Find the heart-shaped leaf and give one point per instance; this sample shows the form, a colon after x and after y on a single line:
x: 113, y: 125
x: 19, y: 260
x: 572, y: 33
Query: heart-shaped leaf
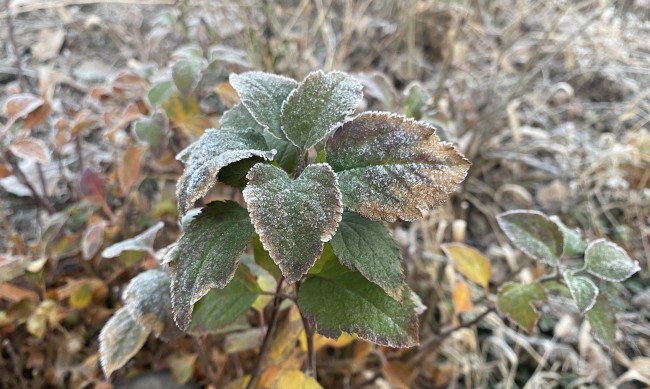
x: 343, y: 301
x: 515, y: 301
x: 148, y: 299
x: 263, y: 95
x: 221, y: 307
x: 609, y: 261
x: 534, y: 234
x: 186, y: 75
x: 367, y: 246
x: 602, y: 319
x: 206, y: 255
x: 469, y: 262
x: 583, y: 290
x: 318, y: 106
x: 212, y: 152
x: 293, y: 217
x: 391, y: 167
x: 120, y: 339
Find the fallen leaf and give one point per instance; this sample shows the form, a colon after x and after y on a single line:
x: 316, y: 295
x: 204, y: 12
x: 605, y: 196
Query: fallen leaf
x: 130, y: 167
x: 31, y: 149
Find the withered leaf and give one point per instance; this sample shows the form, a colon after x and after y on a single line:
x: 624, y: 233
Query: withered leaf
x: 120, y: 339
x: 391, y: 167
x: 212, y: 152
x: 293, y: 217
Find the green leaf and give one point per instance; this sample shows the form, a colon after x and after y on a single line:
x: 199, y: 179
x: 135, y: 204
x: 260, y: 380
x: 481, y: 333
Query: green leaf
x: 583, y: 290
x: 469, y: 262
x: 609, y: 261
x: 160, y: 92
x: 204, y: 159
x: 293, y: 217
x: 186, y: 75
x: 318, y: 106
x: 148, y: 299
x: 263, y: 258
x: 343, y: 301
x: 602, y: 319
x: 143, y: 242
x: 391, y: 167
x: 573, y: 243
x: 367, y: 246
x: 120, y: 339
x: 235, y: 173
x: 515, y: 300
x: 287, y: 154
x: 238, y: 118
x: 534, y: 234
x: 416, y: 99
x: 263, y: 95
x: 221, y: 307
x: 152, y: 131
x: 206, y: 255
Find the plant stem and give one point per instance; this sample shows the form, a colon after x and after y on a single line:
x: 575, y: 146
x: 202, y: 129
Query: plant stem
x: 310, y: 369
x: 22, y: 178
x: 267, y: 338
x: 205, y: 362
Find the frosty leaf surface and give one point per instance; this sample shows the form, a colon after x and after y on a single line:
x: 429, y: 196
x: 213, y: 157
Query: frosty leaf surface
x: 221, y: 307
x: 344, y: 301
x: 318, y: 106
x: 602, y: 319
x: 287, y: 154
x: 609, y: 261
x: 366, y: 245
x: 186, y: 75
x: 390, y: 167
x: 583, y: 290
x: 211, y: 153
x: 141, y: 242
x: 206, y: 255
x: 293, y: 217
x: 120, y: 339
x: 515, y: 300
x: 148, y: 299
x: 238, y: 118
x: 533, y: 233
x: 573, y: 243
x: 263, y: 94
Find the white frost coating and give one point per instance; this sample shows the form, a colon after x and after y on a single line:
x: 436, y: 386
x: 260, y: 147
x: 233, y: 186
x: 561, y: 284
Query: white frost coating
x: 318, y: 106
x: 141, y: 242
x: 119, y: 340
x: 293, y: 217
x: 609, y: 261
x: 528, y: 237
x: 581, y: 288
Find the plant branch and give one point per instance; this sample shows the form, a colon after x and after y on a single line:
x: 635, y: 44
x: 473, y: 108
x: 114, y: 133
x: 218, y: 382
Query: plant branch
x: 205, y: 362
x: 310, y: 369
x: 267, y: 338
x: 20, y: 175
x: 435, y: 341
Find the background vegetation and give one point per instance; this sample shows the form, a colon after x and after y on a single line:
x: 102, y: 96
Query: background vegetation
x: 548, y: 100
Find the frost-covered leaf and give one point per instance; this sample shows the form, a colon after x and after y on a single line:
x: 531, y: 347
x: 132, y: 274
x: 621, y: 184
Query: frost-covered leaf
x: 609, y: 261
x: 148, y: 299
x: 238, y: 118
x: 141, y: 242
x: 207, y: 255
x: 263, y: 95
x: 573, y: 243
x: 534, y: 234
x: 120, y: 339
x: 469, y: 262
x: 186, y: 75
x: 293, y: 217
x: 153, y: 130
x: 287, y: 154
x: 367, y: 246
x: 221, y: 307
x: 32, y: 149
x: 583, y: 290
x: 602, y: 319
x: 391, y: 167
x: 215, y: 150
x: 340, y: 301
x: 318, y: 106
x: 515, y: 300
x: 160, y: 92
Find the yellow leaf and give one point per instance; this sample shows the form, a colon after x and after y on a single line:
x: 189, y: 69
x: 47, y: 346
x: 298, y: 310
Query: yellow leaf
x: 461, y: 298
x: 295, y: 379
x: 320, y: 341
x: 82, y: 296
x: 128, y: 172
x: 469, y: 262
